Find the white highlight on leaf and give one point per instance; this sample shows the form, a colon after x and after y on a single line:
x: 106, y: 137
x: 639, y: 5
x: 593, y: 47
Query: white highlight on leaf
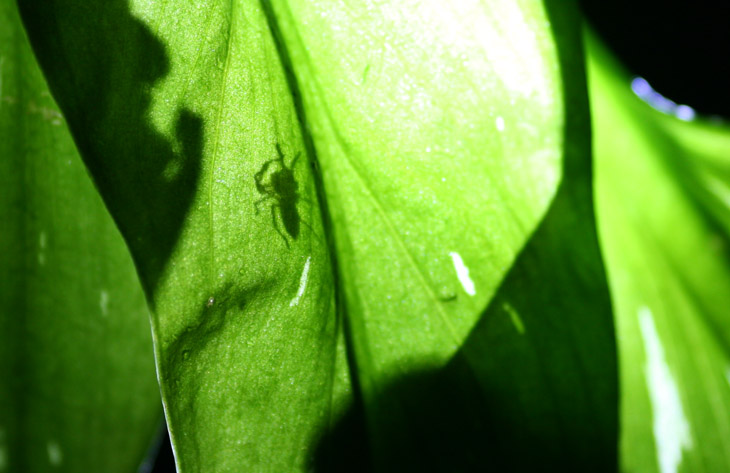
x: 727, y: 375
x: 2, y: 61
x: 500, y: 123
x: 104, y: 302
x: 302, y: 283
x: 671, y: 429
x: 462, y: 272
x: 55, y: 457
x: 3, y: 452
x: 42, y: 243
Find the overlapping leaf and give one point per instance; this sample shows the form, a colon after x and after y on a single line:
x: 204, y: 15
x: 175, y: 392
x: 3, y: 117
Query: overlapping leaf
x: 662, y: 200
x: 180, y: 113
x: 442, y: 136
x: 78, y: 389
x: 412, y: 175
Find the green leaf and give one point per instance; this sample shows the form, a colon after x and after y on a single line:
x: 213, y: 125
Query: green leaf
x: 443, y: 142
x: 78, y: 390
x: 312, y: 189
x: 179, y: 113
x: 662, y: 200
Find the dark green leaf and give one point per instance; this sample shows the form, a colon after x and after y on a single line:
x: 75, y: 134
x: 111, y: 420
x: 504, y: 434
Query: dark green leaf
x: 78, y: 390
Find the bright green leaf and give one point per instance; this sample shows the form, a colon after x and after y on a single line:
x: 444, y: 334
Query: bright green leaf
x: 442, y: 138
x: 441, y: 220
x: 78, y: 390
x: 662, y: 200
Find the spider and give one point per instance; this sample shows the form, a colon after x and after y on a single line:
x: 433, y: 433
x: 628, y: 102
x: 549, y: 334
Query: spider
x: 283, y: 189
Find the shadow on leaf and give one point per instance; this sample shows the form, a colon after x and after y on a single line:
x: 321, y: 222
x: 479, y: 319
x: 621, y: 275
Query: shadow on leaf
x: 534, y: 386
x: 101, y: 64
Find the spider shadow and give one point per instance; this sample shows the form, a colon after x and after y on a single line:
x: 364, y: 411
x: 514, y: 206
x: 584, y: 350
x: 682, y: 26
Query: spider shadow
x: 283, y: 189
x: 277, y: 184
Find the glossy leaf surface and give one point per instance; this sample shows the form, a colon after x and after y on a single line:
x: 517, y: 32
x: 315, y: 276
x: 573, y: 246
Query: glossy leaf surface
x: 288, y: 173
x: 78, y: 389
x: 662, y: 198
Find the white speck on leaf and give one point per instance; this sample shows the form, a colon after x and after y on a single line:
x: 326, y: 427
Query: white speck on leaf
x: 2, y: 60
x: 500, y: 123
x: 514, y: 317
x: 302, y: 283
x: 42, y: 243
x: 55, y: 456
x: 3, y: 452
x: 462, y: 272
x: 671, y: 428
x: 104, y: 302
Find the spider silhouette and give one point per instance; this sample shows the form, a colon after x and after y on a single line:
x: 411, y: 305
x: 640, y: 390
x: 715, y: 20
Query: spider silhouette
x: 282, y: 190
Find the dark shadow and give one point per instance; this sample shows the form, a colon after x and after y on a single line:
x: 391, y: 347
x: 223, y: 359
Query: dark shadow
x: 540, y: 394
x: 160, y: 458
x: 545, y: 400
x: 101, y: 64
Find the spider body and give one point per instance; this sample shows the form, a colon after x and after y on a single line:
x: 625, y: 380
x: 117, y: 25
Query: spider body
x: 282, y: 191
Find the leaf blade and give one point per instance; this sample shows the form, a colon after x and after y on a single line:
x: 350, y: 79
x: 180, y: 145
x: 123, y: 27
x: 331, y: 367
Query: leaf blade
x: 663, y: 238
x: 79, y: 391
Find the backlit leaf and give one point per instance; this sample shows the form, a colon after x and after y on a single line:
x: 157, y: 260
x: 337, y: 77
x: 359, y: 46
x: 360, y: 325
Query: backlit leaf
x: 662, y: 199
x: 394, y: 190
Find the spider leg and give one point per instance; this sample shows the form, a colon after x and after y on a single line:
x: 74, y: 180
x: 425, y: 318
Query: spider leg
x: 281, y: 155
x: 259, y: 202
x: 259, y: 176
x: 311, y: 229
x: 294, y: 161
x: 276, y: 226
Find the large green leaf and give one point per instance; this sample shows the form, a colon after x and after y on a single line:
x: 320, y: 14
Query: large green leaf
x: 78, y: 389
x: 443, y: 137
x: 312, y: 187
x: 179, y: 111
x: 662, y: 199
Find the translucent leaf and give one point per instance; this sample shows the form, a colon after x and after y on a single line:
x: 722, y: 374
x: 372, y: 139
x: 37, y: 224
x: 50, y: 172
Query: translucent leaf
x: 663, y: 216
x: 311, y: 190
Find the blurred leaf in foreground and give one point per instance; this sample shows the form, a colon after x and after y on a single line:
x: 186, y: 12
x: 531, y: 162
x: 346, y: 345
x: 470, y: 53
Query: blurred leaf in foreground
x: 663, y: 200
x: 78, y: 390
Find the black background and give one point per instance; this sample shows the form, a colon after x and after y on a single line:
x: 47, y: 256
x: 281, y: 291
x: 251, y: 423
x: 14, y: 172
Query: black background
x: 681, y: 48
